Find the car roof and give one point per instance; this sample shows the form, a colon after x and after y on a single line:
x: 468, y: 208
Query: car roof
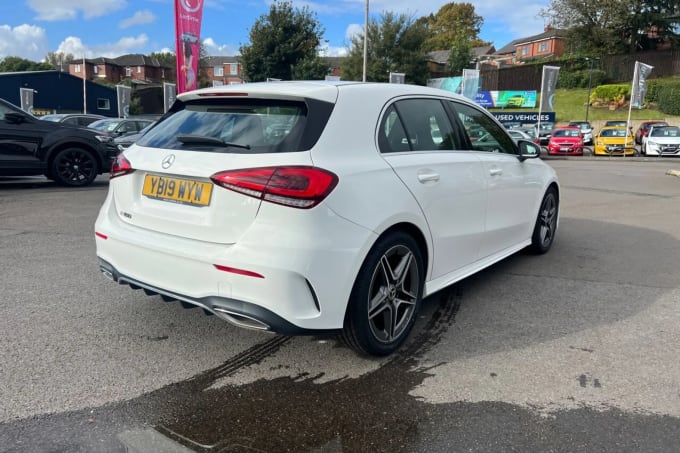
x: 321, y: 90
x: 570, y: 128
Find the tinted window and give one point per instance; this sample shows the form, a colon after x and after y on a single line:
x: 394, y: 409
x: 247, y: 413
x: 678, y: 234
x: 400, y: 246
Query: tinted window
x: 264, y: 126
x: 484, y: 133
x: 416, y: 125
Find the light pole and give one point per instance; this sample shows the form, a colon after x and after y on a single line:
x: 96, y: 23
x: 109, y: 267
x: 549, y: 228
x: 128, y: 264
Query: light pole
x: 590, y: 84
x: 363, y: 77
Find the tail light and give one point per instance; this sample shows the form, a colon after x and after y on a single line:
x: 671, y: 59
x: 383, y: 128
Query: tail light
x: 296, y: 186
x: 121, y: 166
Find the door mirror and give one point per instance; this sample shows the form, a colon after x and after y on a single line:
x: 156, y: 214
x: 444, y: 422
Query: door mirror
x: 528, y: 150
x: 14, y: 117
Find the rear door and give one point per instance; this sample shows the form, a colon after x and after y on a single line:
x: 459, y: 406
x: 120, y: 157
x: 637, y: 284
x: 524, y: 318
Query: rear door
x: 20, y: 142
x: 417, y: 139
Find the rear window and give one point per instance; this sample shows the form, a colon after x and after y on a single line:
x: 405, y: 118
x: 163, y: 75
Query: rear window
x: 240, y: 126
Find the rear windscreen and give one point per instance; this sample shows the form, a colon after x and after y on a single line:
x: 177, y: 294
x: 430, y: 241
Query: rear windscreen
x: 240, y: 126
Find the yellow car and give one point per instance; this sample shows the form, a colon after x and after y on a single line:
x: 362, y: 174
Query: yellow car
x: 612, y: 141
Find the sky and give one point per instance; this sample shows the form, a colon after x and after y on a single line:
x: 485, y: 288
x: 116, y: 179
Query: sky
x: 110, y: 28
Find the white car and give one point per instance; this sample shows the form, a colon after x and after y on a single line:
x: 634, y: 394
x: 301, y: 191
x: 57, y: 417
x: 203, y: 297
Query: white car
x: 661, y: 141
x: 340, y: 221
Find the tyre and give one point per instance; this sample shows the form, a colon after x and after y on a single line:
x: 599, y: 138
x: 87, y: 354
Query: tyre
x: 546, y: 223
x: 75, y: 167
x: 386, y: 296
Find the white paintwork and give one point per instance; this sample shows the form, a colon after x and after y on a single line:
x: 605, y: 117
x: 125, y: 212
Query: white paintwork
x: 471, y: 208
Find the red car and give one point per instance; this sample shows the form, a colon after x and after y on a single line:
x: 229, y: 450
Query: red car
x: 566, y: 141
x: 643, y: 130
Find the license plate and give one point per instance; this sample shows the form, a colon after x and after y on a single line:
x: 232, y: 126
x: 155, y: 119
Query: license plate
x: 565, y: 149
x: 185, y: 191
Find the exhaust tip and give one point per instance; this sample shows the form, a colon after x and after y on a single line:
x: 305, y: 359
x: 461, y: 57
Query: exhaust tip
x: 240, y: 320
x: 107, y: 273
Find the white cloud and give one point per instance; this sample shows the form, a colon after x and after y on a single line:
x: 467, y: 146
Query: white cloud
x: 139, y: 18
x: 334, y: 51
x: 225, y: 50
x: 126, y: 45
x: 25, y: 41
x: 353, y: 30
x: 53, y: 10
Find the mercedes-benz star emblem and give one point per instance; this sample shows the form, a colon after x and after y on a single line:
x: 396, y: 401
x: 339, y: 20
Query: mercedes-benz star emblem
x: 168, y: 161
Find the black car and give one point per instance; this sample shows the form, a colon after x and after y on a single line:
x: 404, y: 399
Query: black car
x: 69, y: 155
x: 74, y: 119
x: 545, y: 132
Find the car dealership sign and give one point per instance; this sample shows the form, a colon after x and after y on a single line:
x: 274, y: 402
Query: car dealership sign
x: 524, y: 117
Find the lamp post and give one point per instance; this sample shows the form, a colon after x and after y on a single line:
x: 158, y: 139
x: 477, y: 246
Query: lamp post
x: 363, y: 77
x: 590, y: 84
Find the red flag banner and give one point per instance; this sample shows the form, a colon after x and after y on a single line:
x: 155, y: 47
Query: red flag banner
x: 187, y: 42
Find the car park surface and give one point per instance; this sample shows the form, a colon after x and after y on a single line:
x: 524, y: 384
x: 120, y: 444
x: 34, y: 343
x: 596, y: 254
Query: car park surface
x: 70, y: 155
x: 595, y: 320
x: 204, y: 188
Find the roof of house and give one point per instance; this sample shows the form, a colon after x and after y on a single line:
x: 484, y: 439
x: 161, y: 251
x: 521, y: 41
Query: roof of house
x: 219, y: 60
x: 548, y: 34
x: 442, y: 56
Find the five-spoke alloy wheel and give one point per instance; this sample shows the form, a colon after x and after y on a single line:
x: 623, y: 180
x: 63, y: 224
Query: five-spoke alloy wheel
x: 74, y: 167
x: 386, y: 296
x: 546, y: 223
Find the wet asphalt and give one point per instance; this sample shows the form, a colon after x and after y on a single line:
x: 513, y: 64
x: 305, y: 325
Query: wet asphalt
x: 572, y: 351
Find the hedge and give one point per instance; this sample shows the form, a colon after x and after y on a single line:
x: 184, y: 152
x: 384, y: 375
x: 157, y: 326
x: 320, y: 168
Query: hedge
x: 610, y: 93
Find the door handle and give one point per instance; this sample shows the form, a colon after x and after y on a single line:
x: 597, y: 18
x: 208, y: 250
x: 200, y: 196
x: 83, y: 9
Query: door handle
x: 495, y: 172
x: 428, y: 176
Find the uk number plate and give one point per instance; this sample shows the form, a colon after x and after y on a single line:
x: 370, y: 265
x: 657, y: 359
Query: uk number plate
x: 185, y: 191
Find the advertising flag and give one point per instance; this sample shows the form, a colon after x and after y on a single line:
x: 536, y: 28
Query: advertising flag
x: 548, y: 85
x: 26, y: 95
x: 188, y: 15
x: 123, y: 93
x: 470, y: 83
x: 639, y: 89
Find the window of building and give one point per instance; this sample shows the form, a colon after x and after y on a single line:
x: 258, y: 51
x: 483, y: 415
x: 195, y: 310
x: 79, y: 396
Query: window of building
x: 218, y: 71
x: 233, y: 68
x: 103, y: 104
x: 77, y: 68
x: 95, y: 69
x: 525, y: 50
x: 139, y: 69
x: 543, y: 47
x: 128, y: 72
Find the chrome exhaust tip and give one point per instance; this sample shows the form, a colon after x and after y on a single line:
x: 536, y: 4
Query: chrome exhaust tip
x: 240, y: 320
x: 107, y: 273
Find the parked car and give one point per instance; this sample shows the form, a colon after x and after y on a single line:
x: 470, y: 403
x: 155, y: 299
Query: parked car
x: 614, y: 141
x: 124, y: 141
x: 566, y: 141
x: 544, y: 132
x: 586, y: 130
x: 74, y: 119
x: 662, y: 141
x: 69, y: 155
x: 520, y: 134
x: 516, y: 100
x: 116, y: 127
x: 644, y: 129
x: 334, y: 226
x: 615, y: 123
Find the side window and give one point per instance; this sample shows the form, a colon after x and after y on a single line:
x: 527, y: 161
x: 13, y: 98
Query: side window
x: 73, y: 121
x: 416, y: 125
x: 483, y: 132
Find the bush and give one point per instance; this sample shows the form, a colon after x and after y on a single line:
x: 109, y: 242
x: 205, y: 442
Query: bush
x: 581, y: 78
x: 610, y: 93
x: 654, y: 87
x: 669, y: 99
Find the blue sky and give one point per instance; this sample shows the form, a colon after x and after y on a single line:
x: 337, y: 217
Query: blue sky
x: 31, y: 28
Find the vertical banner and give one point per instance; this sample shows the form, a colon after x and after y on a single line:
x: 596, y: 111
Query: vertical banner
x: 548, y: 85
x: 26, y: 95
x: 639, y: 88
x: 169, y: 95
x: 470, y: 83
x: 188, y: 15
x: 123, y: 92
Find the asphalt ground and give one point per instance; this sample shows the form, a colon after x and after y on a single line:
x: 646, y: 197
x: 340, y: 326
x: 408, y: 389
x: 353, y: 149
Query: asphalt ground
x: 576, y: 350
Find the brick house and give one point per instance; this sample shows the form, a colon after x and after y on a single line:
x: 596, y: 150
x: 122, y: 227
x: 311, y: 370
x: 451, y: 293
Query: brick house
x: 438, y: 60
x: 223, y: 70
x: 135, y: 67
x: 550, y: 44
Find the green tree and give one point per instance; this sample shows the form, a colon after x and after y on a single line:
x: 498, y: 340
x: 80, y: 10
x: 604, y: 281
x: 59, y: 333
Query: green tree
x: 452, y: 23
x: 460, y: 56
x: 605, y: 26
x: 59, y: 60
x: 395, y: 44
x: 284, y: 44
x: 167, y: 59
x: 18, y: 64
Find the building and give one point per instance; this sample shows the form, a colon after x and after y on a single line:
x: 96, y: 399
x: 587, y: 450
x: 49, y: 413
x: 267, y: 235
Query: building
x: 438, y: 60
x: 58, y: 92
x: 550, y: 44
x: 223, y: 70
x: 137, y: 68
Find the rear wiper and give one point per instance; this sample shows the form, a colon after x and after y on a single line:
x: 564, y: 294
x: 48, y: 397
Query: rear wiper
x: 188, y: 139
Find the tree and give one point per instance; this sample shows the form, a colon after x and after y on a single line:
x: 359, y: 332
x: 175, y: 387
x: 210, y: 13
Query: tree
x: 284, y: 44
x: 58, y: 59
x: 460, y: 56
x: 18, y: 64
x: 395, y: 44
x: 167, y: 59
x: 605, y: 26
x: 452, y: 23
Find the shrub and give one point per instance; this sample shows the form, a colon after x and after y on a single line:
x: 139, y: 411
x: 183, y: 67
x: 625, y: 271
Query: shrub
x: 654, y: 87
x: 669, y: 99
x: 581, y: 78
x: 610, y: 93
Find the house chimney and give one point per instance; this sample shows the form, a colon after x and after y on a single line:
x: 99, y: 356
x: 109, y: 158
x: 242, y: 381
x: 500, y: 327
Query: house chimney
x: 547, y: 28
